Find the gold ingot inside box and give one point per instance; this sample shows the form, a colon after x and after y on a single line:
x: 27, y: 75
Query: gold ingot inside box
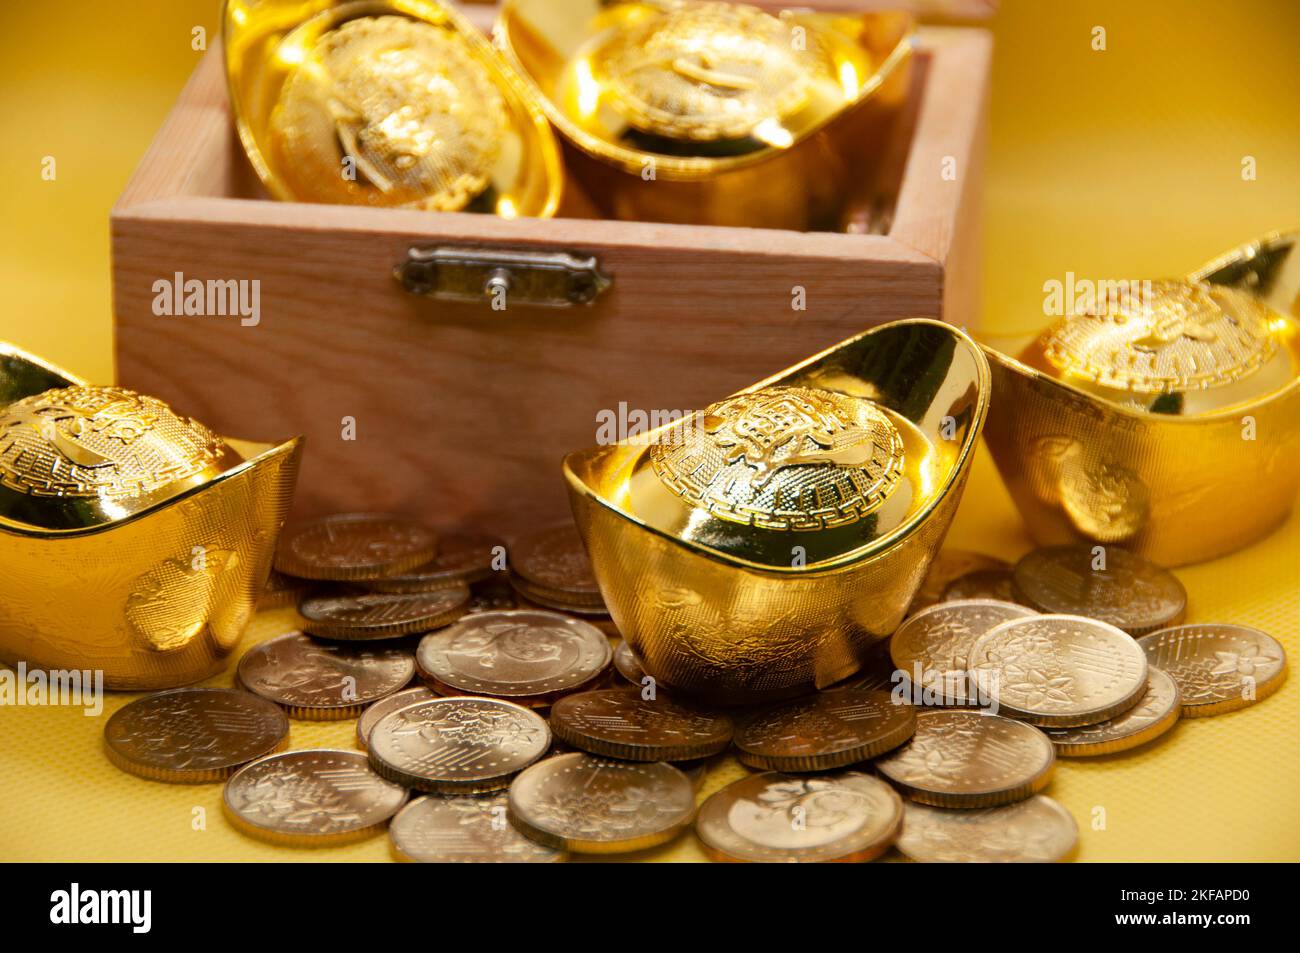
x: 759, y: 548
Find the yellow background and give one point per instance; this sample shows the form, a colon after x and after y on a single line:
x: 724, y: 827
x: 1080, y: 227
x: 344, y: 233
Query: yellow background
x: 1117, y: 164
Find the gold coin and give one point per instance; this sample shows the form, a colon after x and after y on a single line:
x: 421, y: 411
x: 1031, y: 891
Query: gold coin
x: 354, y: 546
x: 619, y: 723
x: 970, y: 759
x: 386, y: 706
x: 316, y: 798
x: 948, y: 565
x: 876, y: 675
x: 1156, y: 713
x: 463, y: 830
x: 593, y: 806
x: 824, y: 731
x: 1059, y: 671
x: 1130, y: 592
x: 529, y: 656
x: 627, y: 664
x: 1218, y: 668
x: 457, y: 745
x: 194, y: 735
x: 848, y: 817
x: 374, y: 615
x: 462, y: 558
x: 323, y: 681
x: 491, y: 596
x: 931, y: 647
x: 551, y: 567
x: 1037, y: 830
x: 981, y: 584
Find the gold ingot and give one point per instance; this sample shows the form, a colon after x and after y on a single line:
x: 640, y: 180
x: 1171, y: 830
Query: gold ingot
x: 1167, y: 421
x: 389, y: 103
x: 702, y: 112
x: 761, y: 548
x: 132, y: 540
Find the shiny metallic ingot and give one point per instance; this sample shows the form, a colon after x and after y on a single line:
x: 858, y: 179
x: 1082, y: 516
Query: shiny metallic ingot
x: 132, y: 540
x: 760, y: 548
x: 703, y: 112
x: 1167, y: 422
x: 391, y: 103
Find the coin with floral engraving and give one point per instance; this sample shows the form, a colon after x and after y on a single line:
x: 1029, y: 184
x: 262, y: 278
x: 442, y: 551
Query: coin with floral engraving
x: 375, y: 615
x: 847, y: 817
x: 620, y: 723
x: 323, y: 681
x: 981, y: 584
x: 1037, y: 830
x: 970, y: 759
x: 354, y: 546
x: 1151, y: 717
x: 824, y: 731
x: 193, y: 735
x: 527, y: 655
x: 315, y: 798
x: 947, y: 566
x: 1218, y: 667
x: 462, y: 557
x: 551, y: 568
x: 1101, y: 582
x: 386, y: 706
x: 1059, y: 671
x: 464, y: 830
x: 595, y: 806
x: 931, y: 647
x: 457, y: 745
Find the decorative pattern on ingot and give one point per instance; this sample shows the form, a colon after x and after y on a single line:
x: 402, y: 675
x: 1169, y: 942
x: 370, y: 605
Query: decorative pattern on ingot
x: 406, y: 101
x: 1186, y: 336
x: 785, y: 458
x: 1037, y: 830
x: 708, y: 71
x: 101, y: 442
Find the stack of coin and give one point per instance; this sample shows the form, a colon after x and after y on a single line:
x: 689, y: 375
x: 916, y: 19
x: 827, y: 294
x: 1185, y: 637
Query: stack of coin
x: 550, y: 568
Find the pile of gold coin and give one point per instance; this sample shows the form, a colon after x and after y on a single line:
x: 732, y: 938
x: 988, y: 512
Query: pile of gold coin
x: 528, y: 734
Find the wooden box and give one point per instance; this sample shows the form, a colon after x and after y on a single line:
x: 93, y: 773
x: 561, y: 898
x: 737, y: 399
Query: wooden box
x: 461, y: 414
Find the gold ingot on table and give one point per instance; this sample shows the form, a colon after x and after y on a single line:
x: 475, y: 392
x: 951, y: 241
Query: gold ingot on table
x: 710, y: 113
x: 760, y: 548
x: 387, y: 103
x: 133, y: 541
x: 1166, y: 422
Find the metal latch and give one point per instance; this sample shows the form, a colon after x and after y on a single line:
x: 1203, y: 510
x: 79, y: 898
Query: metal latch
x: 491, y: 275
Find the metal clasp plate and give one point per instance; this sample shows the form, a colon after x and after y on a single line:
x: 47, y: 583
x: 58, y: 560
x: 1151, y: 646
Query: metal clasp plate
x: 502, y: 276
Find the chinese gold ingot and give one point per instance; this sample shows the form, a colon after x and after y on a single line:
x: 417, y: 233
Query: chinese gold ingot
x: 703, y: 112
x: 392, y: 103
x: 1166, y: 421
x: 761, y: 548
x: 132, y: 540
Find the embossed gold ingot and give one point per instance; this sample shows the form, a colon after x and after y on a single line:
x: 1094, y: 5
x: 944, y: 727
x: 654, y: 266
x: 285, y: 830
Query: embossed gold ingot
x: 736, y: 116
x: 759, y: 549
x: 132, y: 540
x: 1167, y: 419
x: 388, y: 103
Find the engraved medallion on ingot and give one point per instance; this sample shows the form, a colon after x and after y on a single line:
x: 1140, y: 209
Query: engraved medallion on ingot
x: 386, y: 706
x: 375, y: 615
x: 457, y: 745
x: 462, y: 558
x: 1037, y: 830
x: 551, y: 568
x: 619, y: 723
x: 1218, y: 668
x: 970, y: 759
x: 354, y: 546
x: 824, y: 731
x: 1127, y: 591
x: 316, y: 798
x: 931, y: 648
x: 193, y: 735
x: 463, y: 830
x: 1156, y: 713
x: 848, y: 817
x: 323, y: 681
x: 1059, y: 671
x: 593, y: 806
x: 530, y: 656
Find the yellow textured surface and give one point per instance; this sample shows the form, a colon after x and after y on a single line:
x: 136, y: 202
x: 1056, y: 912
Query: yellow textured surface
x: 1123, y: 163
